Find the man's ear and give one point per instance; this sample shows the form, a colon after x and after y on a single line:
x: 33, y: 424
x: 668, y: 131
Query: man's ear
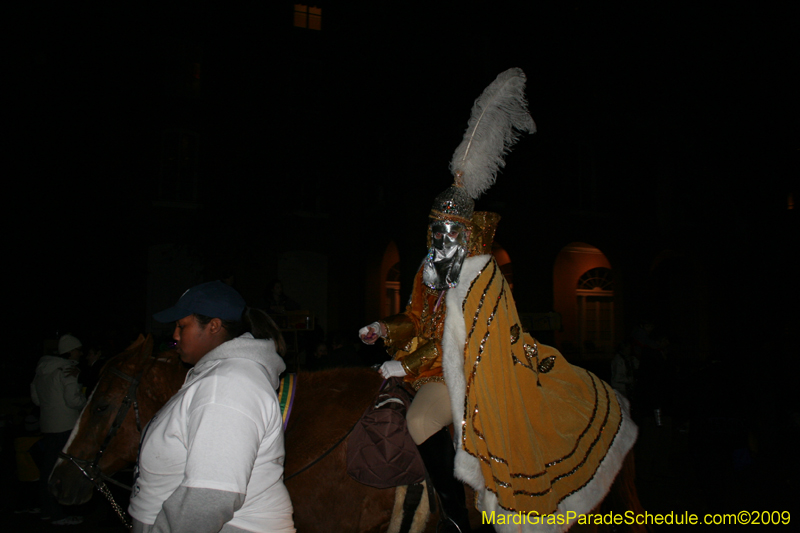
x: 215, y: 326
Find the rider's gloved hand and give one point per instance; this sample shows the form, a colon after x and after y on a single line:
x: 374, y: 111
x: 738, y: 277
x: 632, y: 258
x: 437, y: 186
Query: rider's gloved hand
x: 392, y: 369
x: 369, y: 334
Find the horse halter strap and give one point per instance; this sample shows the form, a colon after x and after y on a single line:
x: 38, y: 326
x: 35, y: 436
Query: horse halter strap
x: 124, y: 406
x: 92, y: 470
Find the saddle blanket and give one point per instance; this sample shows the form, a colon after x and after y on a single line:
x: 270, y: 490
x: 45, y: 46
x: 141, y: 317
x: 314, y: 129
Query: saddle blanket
x: 286, y: 391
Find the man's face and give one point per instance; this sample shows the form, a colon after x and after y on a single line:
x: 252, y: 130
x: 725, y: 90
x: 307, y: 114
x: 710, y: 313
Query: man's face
x: 193, y: 339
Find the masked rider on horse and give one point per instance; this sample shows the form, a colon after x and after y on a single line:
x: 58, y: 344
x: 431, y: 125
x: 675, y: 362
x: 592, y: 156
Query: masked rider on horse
x: 532, y: 432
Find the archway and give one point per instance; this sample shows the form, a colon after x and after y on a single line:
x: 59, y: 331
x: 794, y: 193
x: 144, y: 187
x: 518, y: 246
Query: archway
x: 583, y: 294
x: 595, y: 300
x: 504, y: 262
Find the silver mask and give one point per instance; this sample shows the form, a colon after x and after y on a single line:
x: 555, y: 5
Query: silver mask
x: 442, y: 266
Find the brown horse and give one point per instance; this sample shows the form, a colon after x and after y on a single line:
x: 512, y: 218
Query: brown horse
x: 327, y: 405
x: 157, y: 379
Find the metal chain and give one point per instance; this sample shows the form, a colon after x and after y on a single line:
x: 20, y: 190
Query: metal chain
x: 100, y: 485
x: 103, y: 488
x: 94, y: 474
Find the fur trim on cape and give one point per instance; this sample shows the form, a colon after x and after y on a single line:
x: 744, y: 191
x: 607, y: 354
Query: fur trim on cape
x: 467, y: 467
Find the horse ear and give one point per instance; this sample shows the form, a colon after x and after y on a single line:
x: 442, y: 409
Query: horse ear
x: 143, y: 345
x: 135, y: 344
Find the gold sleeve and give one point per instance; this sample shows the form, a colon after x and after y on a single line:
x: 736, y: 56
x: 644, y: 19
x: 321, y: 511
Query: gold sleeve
x: 400, y: 330
x: 420, y: 359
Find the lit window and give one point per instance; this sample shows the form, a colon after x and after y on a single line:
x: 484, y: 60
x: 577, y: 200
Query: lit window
x: 309, y: 17
x: 595, y: 293
x: 596, y: 279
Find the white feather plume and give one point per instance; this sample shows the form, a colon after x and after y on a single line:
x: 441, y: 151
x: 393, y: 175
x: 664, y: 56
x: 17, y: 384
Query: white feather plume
x: 498, y: 116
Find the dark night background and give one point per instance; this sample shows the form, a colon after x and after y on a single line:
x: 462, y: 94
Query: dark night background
x: 662, y: 125
x: 367, y: 112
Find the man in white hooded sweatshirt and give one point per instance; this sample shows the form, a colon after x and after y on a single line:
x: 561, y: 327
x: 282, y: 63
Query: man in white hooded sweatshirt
x: 212, y: 458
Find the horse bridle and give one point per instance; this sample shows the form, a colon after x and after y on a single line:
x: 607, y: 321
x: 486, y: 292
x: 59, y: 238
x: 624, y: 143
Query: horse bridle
x: 91, y: 469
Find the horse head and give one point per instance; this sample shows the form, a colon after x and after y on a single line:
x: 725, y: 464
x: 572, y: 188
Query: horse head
x: 132, y: 387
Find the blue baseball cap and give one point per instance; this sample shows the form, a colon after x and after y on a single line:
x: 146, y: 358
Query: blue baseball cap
x: 214, y: 299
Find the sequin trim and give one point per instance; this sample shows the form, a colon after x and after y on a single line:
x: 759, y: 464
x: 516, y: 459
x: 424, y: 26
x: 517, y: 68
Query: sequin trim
x: 570, y: 454
x: 472, y: 284
x: 543, y: 364
x: 530, y: 351
x: 549, y: 490
x: 577, y: 442
x: 594, y: 442
x: 471, y: 377
x: 547, y: 365
x: 588, y: 425
x: 501, y: 483
x: 431, y: 379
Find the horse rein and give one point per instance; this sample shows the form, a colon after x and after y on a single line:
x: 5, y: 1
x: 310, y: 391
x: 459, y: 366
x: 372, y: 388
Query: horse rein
x: 321, y: 457
x: 91, y: 469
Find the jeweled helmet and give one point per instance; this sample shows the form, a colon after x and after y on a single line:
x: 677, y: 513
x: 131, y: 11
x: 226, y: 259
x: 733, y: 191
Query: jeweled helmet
x: 497, y: 117
x: 448, y: 238
x: 449, y: 244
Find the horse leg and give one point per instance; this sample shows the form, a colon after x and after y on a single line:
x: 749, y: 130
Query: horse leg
x: 411, y: 509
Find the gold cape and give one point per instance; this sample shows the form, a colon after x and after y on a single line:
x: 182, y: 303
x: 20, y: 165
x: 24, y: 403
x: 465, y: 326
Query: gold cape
x: 532, y: 429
